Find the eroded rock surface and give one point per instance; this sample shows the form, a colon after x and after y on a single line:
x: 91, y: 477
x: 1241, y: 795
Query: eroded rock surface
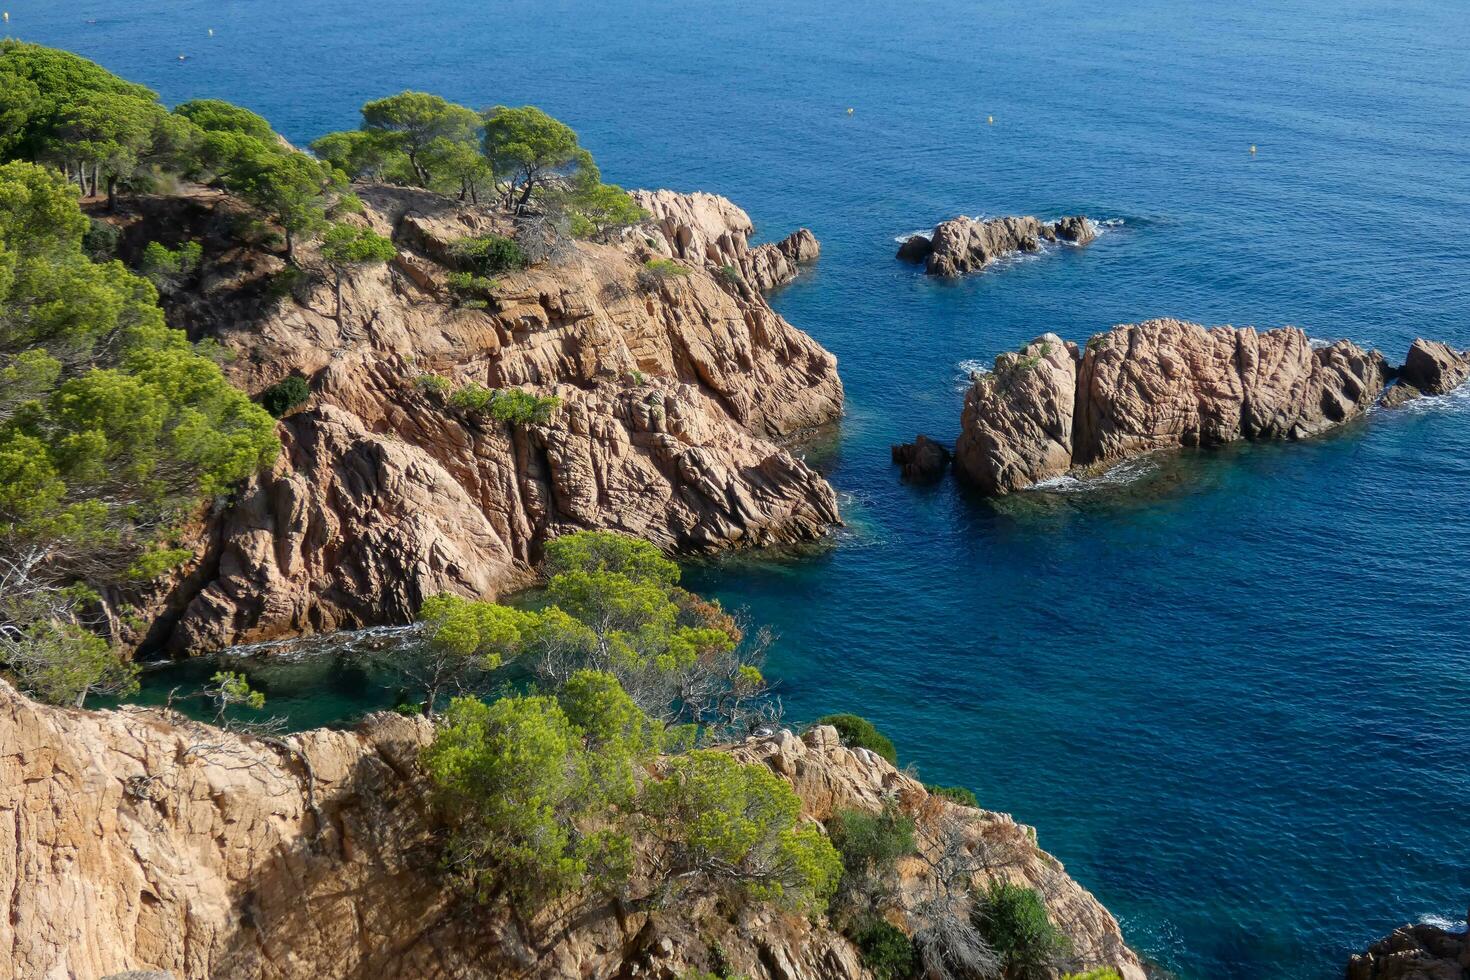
x: 962, y: 244
x: 1417, y: 952
x: 1431, y: 368
x: 139, y: 842
x: 1162, y: 384
x: 675, y: 391
x: 710, y: 229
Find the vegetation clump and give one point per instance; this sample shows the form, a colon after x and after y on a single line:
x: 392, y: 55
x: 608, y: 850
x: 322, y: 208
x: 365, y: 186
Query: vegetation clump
x: 544, y: 791
x: 113, y: 429
x: 488, y: 254
x: 857, y: 732
x: 955, y: 794
x: 286, y: 394
x: 1014, y: 921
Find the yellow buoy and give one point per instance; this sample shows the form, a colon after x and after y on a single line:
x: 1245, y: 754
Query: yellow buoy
x: 849, y: 112
x: 211, y: 32
x: 1253, y: 148
x: 990, y: 120
x: 7, y: 16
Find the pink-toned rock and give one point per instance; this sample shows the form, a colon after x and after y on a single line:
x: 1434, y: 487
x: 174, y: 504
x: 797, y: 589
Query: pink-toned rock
x: 1162, y: 384
x: 962, y: 244
x: 1434, y: 368
x: 1016, y: 427
x: 673, y: 403
x: 138, y: 841
x: 712, y: 230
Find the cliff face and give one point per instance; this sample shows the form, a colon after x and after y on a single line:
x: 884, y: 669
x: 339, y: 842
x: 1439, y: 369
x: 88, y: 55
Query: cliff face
x: 673, y: 389
x: 1156, y: 385
x: 136, y: 842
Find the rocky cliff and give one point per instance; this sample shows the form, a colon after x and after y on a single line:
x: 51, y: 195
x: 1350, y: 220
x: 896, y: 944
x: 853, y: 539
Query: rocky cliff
x: 1051, y: 408
x: 675, y: 389
x: 1419, y: 952
x: 1431, y: 368
x: 962, y: 245
x: 134, y: 840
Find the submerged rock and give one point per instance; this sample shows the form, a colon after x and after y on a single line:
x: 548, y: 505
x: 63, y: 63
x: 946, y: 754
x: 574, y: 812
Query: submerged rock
x: 962, y: 244
x: 1162, y: 384
x: 1416, y: 952
x: 143, y: 841
x: 923, y: 459
x: 675, y: 394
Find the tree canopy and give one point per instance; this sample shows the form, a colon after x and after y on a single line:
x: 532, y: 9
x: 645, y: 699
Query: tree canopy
x: 112, y: 429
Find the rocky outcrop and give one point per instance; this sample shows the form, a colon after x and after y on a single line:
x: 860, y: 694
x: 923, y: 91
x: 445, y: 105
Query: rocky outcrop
x: 921, y: 460
x: 962, y: 244
x: 1163, y: 384
x: 1417, y: 952
x: 709, y: 229
x: 137, y: 841
x: 1431, y: 368
x: 674, y: 393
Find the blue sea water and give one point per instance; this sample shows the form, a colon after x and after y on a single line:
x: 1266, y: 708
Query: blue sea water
x: 1232, y: 694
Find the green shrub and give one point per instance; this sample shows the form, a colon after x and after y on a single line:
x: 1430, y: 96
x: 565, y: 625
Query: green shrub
x: 666, y: 269
x: 469, y: 289
x: 522, y: 407
x: 165, y: 267
x: 100, y: 240
x: 857, y: 732
x: 871, y: 843
x: 472, y: 397
x: 433, y: 384
x: 955, y: 794
x: 729, y: 275
x: 1014, y: 921
x: 484, y: 254
x: 1098, y: 973
x: 285, y: 395
x: 885, y: 949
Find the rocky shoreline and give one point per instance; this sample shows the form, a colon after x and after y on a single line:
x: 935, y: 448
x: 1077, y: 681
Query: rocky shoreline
x: 962, y: 244
x: 677, y: 389
x: 1053, y: 409
x: 143, y: 841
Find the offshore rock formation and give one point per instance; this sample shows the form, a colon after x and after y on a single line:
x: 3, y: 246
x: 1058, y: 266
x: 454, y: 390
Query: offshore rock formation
x: 135, y: 841
x: 921, y: 460
x: 1431, y: 368
x: 673, y: 389
x: 1162, y: 384
x: 962, y: 245
x: 1418, y: 952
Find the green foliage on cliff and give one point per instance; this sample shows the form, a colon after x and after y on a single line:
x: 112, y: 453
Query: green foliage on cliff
x: 488, y: 254
x: 955, y: 794
x: 112, y: 429
x: 886, y: 951
x: 166, y: 267
x: 1099, y: 973
x: 857, y: 732
x: 1014, y: 921
x: 545, y: 791
x: 285, y: 395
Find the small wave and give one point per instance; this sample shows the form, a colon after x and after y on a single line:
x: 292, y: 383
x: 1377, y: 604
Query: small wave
x: 926, y: 232
x: 320, y: 644
x: 1317, y: 343
x: 966, y: 370
x: 1457, y: 400
x: 1444, y: 922
x: 1124, y: 473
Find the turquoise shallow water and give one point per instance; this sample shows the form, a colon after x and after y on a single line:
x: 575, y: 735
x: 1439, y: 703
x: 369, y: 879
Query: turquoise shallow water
x: 1231, y: 694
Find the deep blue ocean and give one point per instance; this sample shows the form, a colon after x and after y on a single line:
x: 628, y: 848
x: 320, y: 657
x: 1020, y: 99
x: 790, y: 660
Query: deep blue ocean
x: 1231, y: 689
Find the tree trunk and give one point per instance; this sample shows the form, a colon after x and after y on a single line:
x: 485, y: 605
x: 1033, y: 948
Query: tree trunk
x: 111, y: 193
x: 525, y: 196
x: 290, y: 247
x: 338, y: 273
